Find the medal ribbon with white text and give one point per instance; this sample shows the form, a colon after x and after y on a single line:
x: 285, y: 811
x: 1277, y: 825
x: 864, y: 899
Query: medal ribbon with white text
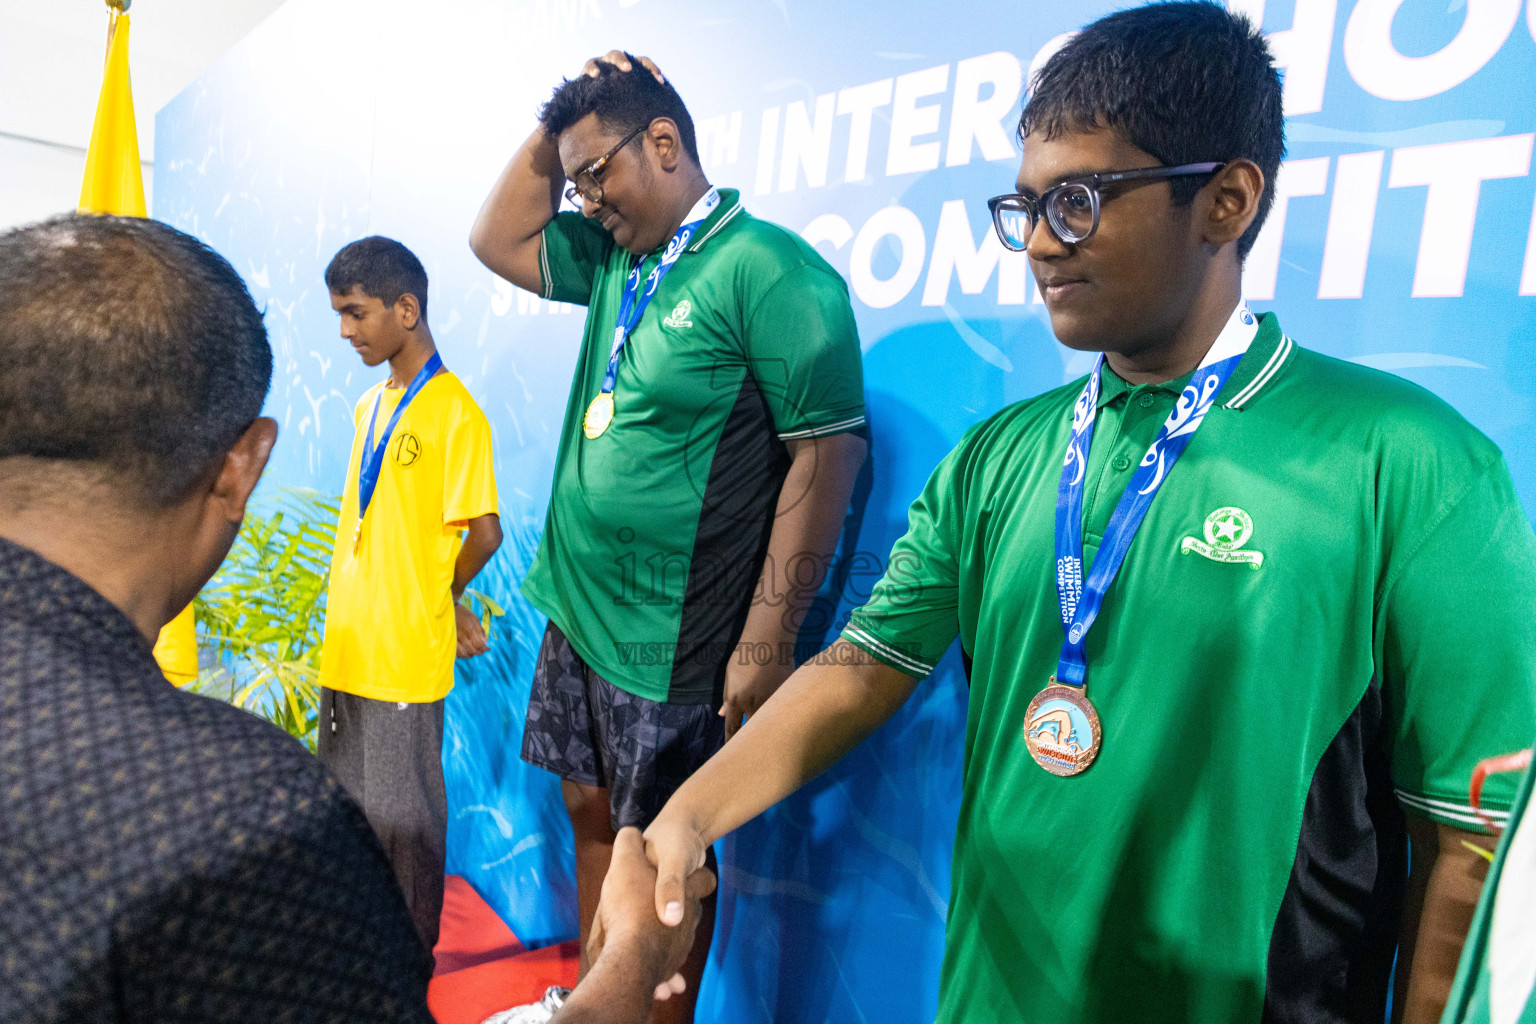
x: 1080, y: 601
x: 632, y: 306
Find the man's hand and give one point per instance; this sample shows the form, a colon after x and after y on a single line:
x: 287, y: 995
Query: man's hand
x: 472, y: 639
x: 626, y: 926
x: 747, y: 688
x: 620, y: 60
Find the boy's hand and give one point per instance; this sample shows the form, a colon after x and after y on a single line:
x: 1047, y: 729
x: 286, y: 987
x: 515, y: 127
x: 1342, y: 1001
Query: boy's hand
x: 621, y: 61
x: 747, y: 688
x: 472, y: 640
x: 677, y: 853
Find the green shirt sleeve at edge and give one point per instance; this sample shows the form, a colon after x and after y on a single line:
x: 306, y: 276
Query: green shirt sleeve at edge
x: 1456, y: 650
x: 572, y: 249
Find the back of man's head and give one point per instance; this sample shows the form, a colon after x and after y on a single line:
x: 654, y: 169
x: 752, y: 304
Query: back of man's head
x: 1185, y: 81
x: 622, y: 100
x: 380, y: 267
x: 129, y: 351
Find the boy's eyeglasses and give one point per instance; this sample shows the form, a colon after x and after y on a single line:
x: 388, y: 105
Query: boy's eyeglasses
x: 1071, y: 208
x: 585, y: 185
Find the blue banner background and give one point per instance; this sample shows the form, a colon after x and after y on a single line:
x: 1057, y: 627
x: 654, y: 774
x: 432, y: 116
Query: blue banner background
x: 340, y: 118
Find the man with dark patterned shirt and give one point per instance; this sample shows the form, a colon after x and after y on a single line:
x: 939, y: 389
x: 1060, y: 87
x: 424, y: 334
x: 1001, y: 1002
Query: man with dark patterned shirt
x: 163, y: 857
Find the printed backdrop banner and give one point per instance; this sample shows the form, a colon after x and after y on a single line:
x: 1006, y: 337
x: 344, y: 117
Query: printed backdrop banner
x: 1403, y: 238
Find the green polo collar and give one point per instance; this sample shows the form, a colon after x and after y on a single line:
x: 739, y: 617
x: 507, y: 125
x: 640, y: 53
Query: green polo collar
x: 1270, y: 351
x: 1112, y: 385
x: 728, y: 210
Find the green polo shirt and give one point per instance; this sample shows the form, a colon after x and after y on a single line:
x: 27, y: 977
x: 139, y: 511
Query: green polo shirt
x: 657, y: 529
x: 1238, y: 846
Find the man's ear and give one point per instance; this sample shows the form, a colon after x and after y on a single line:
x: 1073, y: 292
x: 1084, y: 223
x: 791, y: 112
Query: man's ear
x: 242, y: 468
x: 407, y: 310
x: 1235, y: 192
x: 668, y: 142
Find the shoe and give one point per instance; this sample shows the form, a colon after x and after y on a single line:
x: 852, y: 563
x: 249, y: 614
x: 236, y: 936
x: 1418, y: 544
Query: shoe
x: 532, y: 1013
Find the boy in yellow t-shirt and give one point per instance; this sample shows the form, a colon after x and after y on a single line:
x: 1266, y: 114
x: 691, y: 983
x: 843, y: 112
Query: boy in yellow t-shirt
x: 418, y: 521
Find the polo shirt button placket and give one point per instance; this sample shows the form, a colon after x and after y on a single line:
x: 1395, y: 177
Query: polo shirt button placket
x: 1122, y: 463
x: 1146, y: 399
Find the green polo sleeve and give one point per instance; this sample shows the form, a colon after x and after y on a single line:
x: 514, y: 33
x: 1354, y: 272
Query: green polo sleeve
x: 1456, y: 636
x: 803, y: 346
x: 913, y: 613
x: 572, y: 250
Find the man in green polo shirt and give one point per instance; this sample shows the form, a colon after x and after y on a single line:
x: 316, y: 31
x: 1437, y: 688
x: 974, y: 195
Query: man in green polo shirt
x: 713, y: 433
x: 1217, y: 691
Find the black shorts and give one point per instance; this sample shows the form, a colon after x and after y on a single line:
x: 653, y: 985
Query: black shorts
x: 583, y: 728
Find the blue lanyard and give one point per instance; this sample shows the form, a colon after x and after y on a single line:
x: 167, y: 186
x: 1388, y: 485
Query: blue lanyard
x: 632, y: 308
x: 1080, y: 603
x: 372, y: 461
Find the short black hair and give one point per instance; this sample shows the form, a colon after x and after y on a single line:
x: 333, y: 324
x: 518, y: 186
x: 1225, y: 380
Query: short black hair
x: 622, y: 101
x: 1187, y: 81
x: 382, y: 268
x: 126, y: 347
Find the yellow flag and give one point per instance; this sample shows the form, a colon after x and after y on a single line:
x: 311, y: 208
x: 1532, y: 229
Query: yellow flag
x: 176, y: 650
x: 114, y: 183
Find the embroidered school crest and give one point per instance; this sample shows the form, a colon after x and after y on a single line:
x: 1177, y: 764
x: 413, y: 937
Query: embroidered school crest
x: 1226, y: 531
x: 679, y: 317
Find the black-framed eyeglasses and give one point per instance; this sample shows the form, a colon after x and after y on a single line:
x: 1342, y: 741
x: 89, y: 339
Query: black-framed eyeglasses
x: 585, y: 185
x: 1072, y: 207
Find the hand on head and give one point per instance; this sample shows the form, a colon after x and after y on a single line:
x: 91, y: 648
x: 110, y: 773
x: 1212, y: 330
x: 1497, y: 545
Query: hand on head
x: 620, y: 60
x: 627, y: 925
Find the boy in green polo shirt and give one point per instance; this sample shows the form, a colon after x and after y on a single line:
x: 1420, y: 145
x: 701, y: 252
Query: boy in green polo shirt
x: 709, y: 452
x: 1239, y: 618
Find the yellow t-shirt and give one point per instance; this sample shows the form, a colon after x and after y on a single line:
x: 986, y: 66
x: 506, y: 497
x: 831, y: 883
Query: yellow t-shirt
x: 389, y: 622
x: 176, y: 648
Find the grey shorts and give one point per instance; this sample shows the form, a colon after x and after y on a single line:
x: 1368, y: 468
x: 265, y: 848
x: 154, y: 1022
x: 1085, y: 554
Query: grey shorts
x: 583, y: 728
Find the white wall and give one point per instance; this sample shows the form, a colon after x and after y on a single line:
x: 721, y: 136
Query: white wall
x: 50, y: 73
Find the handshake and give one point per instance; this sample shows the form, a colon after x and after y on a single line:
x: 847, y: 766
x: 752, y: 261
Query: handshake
x: 642, y: 934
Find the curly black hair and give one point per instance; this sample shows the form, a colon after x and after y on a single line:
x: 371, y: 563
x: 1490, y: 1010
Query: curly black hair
x: 622, y: 101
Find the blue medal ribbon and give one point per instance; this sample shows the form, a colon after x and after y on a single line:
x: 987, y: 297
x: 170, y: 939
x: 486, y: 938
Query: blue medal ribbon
x: 632, y: 307
x: 1080, y: 602
x: 372, y: 461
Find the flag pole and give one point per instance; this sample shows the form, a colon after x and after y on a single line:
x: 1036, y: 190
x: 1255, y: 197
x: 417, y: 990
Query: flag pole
x: 117, y: 7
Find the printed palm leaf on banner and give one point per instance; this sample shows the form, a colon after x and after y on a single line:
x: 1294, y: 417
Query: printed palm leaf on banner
x: 263, y: 613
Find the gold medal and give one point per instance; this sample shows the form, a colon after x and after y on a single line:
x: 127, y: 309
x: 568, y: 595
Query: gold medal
x: 599, y: 415
x: 1061, y: 729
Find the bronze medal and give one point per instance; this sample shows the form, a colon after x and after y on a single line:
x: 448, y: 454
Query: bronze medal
x: 1061, y: 729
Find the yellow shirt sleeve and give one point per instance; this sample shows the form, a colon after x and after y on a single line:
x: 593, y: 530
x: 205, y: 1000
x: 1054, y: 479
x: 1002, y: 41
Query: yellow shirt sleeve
x: 469, y: 473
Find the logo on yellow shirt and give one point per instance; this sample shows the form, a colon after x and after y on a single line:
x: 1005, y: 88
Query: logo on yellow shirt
x: 405, y: 449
